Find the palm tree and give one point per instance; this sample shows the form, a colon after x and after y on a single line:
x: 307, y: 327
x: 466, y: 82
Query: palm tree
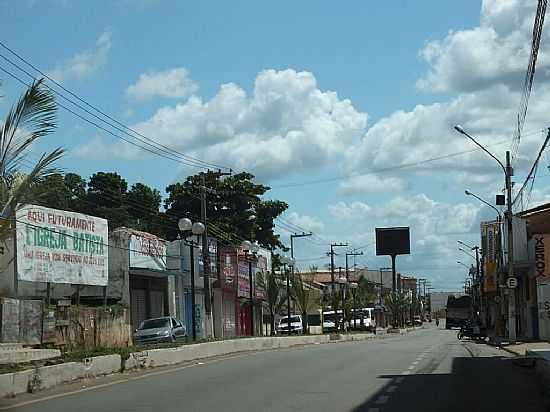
x: 31, y: 118
x: 302, y: 291
x: 271, y: 283
x: 398, y: 305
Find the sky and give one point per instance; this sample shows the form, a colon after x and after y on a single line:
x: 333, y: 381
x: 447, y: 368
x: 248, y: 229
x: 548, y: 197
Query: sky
x: 346, y: 110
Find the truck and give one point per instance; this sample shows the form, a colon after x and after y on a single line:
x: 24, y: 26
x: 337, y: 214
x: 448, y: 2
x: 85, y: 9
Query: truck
x: 459, y: 310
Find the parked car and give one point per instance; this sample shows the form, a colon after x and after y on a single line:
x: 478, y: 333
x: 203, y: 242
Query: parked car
x: 158, y: 330
x: 329, y: 321
x: 294, y: 326
x: 417, y: 321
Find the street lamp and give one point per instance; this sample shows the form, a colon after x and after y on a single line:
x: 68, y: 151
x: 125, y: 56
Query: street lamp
x: 353, y: 286
x: 468, y: 193
x: 466, y: 252
x: 250, y: 249
x: 197, y: 229
x: 508, y: 172
x: 463, y: 264
x: 285, y: 260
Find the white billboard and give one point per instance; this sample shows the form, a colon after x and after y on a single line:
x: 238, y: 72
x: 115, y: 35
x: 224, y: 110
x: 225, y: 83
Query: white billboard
x: 147, y: 251
x: 61, y: 247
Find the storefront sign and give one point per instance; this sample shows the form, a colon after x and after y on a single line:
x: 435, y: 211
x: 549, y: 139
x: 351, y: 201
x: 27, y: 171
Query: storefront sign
x: 243, y: 284
x: 260, y: 273
x: 147, y: 251
x: 61, y: 247
x: 543, y: 298
x: 542, y: 255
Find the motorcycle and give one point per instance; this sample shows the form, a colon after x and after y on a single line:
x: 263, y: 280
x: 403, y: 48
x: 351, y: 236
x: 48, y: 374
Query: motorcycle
x: 471, y: 330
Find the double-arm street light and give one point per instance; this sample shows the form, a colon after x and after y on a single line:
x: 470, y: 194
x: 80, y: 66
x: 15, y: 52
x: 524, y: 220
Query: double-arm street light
x: 197, y: 229
x: 508, y: 172
x: 250, y: 249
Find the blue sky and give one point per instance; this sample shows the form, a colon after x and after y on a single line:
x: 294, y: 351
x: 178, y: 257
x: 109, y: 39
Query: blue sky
x: 311, y: 90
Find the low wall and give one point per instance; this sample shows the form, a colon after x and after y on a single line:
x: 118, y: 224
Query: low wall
x: 48, y: 376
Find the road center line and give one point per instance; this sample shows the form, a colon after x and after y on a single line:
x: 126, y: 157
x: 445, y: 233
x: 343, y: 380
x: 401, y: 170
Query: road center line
x: 406, y: 373
x: 411, y: 367
x: 415, y: 362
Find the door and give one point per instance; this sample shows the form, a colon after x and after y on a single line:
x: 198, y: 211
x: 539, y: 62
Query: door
x: 157, y: 303
x: 178, y: 330
x: 138, y: 306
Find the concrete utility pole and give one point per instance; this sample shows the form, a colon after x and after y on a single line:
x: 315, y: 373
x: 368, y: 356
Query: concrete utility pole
x: 206, y: 256
x: 334, y: 304
x: 347, y: 266
x: 292, y: 237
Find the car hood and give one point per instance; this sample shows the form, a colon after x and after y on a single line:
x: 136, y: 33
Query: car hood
x: 148, y: 332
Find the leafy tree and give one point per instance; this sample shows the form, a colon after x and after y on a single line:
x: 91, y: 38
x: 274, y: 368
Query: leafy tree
x: 143, y: 205
x: 76, y: 186
x: 53, y: 192
x: 398, y: 305
x: 30, y: 119
x: 234, y: 206
x: 106, y: 198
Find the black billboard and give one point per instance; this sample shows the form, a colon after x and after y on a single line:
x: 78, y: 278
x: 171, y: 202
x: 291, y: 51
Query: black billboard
x: 393, y: 241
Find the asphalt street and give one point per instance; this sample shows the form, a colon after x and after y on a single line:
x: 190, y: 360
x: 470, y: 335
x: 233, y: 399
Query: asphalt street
x: 426, y: 370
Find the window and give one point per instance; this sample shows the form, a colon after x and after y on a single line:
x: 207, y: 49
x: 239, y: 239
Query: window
x: 155, y: 323
x: 174, y: 323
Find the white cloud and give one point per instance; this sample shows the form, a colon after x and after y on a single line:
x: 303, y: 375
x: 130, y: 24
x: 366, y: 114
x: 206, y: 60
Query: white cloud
x: 97, y: 149
x: 307, y: 222
x: 171, y: 83
x: 496, y: 52
x: 84, y: 63
x: 370, y: 184
x: 287, y: 124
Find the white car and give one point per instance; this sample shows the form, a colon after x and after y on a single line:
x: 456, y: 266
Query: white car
x: 294, y: 326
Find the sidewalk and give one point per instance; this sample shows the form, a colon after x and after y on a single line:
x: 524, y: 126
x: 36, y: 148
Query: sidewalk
x: 521, y: 348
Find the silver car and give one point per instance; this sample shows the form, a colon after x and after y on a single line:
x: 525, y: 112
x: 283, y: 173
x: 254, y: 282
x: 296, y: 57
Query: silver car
x: 158, y: 330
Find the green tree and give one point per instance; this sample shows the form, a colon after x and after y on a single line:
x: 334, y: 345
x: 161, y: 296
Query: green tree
x: 53, y: 192
x: 272, y: 283
x: 234, y: 206
x: 304, y: 294
x: 30, y: 119
x: 76, y: 186
x: 105, y: 198
x: 143, y: 205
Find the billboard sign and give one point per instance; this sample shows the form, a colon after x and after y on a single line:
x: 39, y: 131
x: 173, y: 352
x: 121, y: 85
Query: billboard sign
x: 542, y: 255
x: 393, y: 241
x: 147, y: 251
x: 61, y: 247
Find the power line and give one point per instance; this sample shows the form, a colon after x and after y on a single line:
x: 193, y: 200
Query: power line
x: 45, y: 75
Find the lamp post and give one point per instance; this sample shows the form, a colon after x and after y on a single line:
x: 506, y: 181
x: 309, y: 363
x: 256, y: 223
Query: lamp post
x: 197, y: 228
x: 508, y: 172
x: 468, y: 193
x: 353, y: 286
x: 250, y: 249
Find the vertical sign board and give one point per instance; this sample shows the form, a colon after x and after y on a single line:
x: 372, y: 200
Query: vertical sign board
x: 541, y: 244
x: 392, y: 241
x: 490, y: 236
x: 243, y: 284
x: 61, y: 247
x: 147, y: 251
x: 263, y: 264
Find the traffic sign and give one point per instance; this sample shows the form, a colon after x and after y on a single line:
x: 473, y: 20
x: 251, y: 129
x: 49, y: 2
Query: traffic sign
x: 512, y: 282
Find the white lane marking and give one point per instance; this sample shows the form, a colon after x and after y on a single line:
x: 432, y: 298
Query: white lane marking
x: 399, y: 380
x: 406, y: 373
x: 411, y: 367
x: 382, y: 399
x: 391, y: 388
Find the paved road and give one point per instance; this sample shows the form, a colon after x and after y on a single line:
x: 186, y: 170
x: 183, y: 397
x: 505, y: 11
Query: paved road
x: 427, y: 370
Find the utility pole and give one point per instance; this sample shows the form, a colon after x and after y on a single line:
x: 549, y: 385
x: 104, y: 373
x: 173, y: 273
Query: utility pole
x: 512, y: 293
x: 334, y: 304
x: 206, y: 255
x: 292, y: 237
x: 347, y: 266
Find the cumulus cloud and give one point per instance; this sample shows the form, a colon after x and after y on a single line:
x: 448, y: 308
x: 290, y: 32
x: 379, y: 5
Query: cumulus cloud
x: 495, y: 52
x: 307, y: 222
x: 286, y: 124
x: 84, y: 63
x: 370, y: 184
x: 171, y: 83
